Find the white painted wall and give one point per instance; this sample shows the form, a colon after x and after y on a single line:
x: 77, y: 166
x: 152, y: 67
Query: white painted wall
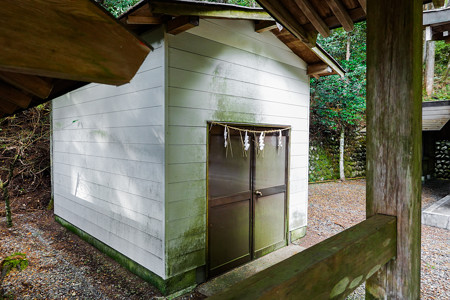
x: 223, y: 71
x: 129, y: 162
x: 108, y: 161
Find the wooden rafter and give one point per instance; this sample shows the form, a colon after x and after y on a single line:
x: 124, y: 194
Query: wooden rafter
x: 262, y: 26
x: 341, y: 14
x: 34, y: 85
x: 313, y: 17
x: 281, y: 14
x: 319, y: 68
x: 13, y: 96
x: 363, y: 4
x: 7, y: 107
x: 181, y: 24
x: 144, y: 20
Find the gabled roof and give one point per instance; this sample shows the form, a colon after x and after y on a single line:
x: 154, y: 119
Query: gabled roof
x: 306, y: 18
x: 180, y: 15
x: 49, y: 48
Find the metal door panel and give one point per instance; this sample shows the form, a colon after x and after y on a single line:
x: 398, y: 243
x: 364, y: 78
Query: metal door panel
x: 270, y: 169
x: 229, y: 234
x: 246, y: 200
x: 269, y: 221
x: 229, y: 173
x: 229, y: 214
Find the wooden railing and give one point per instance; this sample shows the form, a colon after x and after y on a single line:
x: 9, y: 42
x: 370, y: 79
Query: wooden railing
x: 331, y: 269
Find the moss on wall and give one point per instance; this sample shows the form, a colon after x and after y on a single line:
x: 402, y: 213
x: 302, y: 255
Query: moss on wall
x: 167, y: 286
x: 324, y: 158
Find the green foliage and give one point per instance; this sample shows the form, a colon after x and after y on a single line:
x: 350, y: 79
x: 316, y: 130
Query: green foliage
x: 441, y: 89
x: 337, y: 102
x: 442, y: 57
x: 16, y: 261
x: 117, y: 7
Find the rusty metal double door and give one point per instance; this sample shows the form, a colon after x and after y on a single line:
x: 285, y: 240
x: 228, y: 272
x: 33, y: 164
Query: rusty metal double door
x: 246, y: 199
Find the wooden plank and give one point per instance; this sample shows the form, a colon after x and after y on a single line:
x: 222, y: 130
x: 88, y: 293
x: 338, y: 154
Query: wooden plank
x: 284, y: 17
x: 363, y: 4
x: 8, y: 107
x: 34, y: 85
x: 329, y: 60
x: 66, y: 39
x: 394, y: 143
x: 181, y: 24
x: 263, y: 26
x: 341, y: 14
x: 433, y: 17
x: 330, y: 269
x: 210, y: 10
x: 13, y: 95
x: 141, y: 20
x: 319, y: 68
x: 313, y: 17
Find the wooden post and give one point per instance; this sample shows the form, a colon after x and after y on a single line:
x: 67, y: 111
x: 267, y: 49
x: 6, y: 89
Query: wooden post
x: 394, y: 141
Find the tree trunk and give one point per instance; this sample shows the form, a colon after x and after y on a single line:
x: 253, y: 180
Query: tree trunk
x: 429, y: 68
x: 341, y: 155
x: 5, y: 191
x: 7, y: 206
x: 424, y: 51
x: 347, y: 55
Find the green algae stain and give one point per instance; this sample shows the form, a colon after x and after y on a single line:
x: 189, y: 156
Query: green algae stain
x: 340, y: 287
x: 229, y: 107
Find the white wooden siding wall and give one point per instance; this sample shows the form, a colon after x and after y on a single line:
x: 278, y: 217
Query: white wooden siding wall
x: 108, y: 161
x: 224, y: 71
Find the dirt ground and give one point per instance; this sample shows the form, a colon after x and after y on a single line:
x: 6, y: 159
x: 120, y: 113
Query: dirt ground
x: 62, y: 266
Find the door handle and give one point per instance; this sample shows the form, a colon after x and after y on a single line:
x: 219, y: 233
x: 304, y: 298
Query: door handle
x: 258, y: 193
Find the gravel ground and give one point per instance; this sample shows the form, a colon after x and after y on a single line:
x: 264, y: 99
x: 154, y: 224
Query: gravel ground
x: 64, y: 267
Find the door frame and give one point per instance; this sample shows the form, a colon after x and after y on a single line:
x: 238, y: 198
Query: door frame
x: 253, y: 126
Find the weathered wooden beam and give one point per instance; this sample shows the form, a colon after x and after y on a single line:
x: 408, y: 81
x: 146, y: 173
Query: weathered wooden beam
x: 319, y: 68
x: 181, y: 24
x: 209, y: 10
x: 67, y: 39
x: 262, y: 26
x: 329, y: 60
x: 284, y: 17
x: 34, y: 85
x: 140, y: 20
x: 13, y: 95
x: 394, y: 143
x: 341, y: 14
x: 313, y: 17
x: 7, y: 107
x: 363, y: 4
x: 331, y: 269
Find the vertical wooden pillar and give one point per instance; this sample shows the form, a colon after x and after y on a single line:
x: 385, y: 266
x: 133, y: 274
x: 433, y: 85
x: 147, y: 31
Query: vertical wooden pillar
x: 394, y: 138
